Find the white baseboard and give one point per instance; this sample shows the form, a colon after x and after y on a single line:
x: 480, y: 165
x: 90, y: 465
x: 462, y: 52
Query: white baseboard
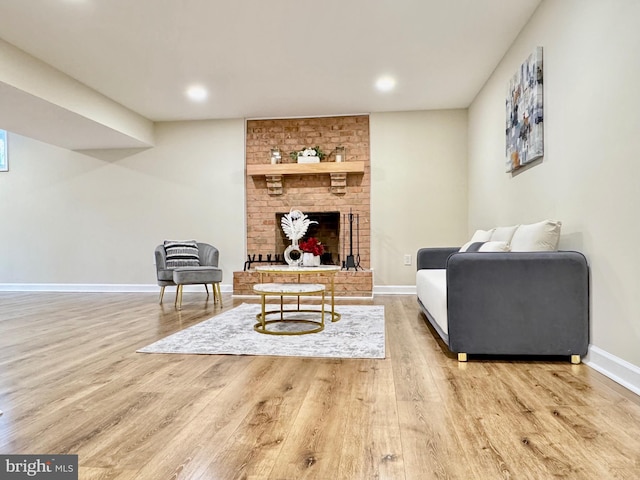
x: 619, y: 370
x: 394, y: 289
x: 98, y: 288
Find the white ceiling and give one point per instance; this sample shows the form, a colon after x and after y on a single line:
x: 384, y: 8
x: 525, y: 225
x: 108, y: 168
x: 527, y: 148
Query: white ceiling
x: 270, y: 58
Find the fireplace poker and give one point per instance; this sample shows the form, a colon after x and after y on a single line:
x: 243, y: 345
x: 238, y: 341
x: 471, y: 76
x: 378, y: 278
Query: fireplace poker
x: 350, y: 258
x: 344, y: 224
x: 357, y: 264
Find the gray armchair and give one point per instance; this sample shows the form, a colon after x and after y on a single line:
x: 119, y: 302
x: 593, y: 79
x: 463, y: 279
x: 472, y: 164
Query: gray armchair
x: 207, y: 273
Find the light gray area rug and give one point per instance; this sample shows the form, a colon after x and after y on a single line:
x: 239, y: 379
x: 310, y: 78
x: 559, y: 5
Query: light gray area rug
x: 358, y: 334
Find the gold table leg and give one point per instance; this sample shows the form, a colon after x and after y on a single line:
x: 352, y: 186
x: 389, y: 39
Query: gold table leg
x: 334, y: 316
x: 263, y: 316
x: 261, y: 326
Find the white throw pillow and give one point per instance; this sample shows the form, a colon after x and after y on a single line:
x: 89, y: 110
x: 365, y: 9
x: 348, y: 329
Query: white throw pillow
x: 495, y: 247
x: 537, y: 237
x: 503, y: 234
x: 478, y: 236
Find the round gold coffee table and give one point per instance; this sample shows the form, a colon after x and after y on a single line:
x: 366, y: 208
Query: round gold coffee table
x: 288, y: 290
x: 328, y: 270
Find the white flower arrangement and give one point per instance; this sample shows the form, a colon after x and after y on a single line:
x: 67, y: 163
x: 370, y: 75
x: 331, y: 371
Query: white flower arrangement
x: 308, y: 152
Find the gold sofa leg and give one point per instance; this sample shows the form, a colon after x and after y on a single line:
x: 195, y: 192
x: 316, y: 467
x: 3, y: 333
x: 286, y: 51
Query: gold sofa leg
x: 161, y: 294
x: 462, y: 357
x: 575, y: 359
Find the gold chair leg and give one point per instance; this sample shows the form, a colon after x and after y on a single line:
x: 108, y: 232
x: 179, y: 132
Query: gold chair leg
x: 179, y: 297
x: 217, y: 286
x: 207, y: 289
x: 462, y: 357
x: 575, y: 359
x: 216, y: 297
x: 161, y: 294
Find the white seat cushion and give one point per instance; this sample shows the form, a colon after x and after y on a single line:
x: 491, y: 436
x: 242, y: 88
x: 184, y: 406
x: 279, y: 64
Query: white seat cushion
x: 431, y: 287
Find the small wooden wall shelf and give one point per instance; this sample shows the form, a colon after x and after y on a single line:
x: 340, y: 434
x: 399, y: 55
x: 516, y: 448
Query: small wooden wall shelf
x: 305, y: 168
x: 337, y: 170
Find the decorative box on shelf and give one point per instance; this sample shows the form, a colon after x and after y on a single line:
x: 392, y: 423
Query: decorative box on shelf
x: 309, y: 159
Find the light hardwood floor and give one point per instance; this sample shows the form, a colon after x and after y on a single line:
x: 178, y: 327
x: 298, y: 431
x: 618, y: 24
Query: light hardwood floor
x: 71, y: 382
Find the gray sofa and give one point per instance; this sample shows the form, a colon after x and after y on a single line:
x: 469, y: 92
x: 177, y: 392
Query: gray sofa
x: 506, y: 303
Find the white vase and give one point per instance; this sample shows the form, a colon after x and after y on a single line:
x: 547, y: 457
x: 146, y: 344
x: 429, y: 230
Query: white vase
x: 307, y: 260
x: 310, y: 260
x: 292, y: 255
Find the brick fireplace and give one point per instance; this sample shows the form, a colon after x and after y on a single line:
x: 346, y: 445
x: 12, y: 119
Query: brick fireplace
x: 327, y: 229
x: 329, y: 192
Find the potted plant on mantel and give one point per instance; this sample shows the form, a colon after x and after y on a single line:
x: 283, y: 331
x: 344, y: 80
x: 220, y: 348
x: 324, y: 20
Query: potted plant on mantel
x: 308, y: 155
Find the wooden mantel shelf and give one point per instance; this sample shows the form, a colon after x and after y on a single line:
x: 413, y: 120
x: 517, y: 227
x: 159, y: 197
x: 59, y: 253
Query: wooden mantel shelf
x: 337, y: 170
x: 305, y: 168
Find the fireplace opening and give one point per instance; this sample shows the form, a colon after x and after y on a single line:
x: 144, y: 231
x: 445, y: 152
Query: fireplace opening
x: 327, y: 231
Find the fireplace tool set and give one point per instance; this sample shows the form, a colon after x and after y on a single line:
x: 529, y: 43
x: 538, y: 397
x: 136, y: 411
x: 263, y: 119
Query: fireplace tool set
x: 351, y: 260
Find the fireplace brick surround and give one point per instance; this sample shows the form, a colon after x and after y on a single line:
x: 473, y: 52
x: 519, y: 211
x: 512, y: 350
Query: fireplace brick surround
x: 308, y: 192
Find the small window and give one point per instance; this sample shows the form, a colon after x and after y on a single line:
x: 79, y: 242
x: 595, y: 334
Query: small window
x: 4, y: 152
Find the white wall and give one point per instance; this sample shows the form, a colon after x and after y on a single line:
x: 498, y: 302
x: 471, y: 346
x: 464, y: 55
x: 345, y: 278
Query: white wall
x: 88, y: 218
x: 95, y: 218
x: 418, y: 188
x: 589, y: 176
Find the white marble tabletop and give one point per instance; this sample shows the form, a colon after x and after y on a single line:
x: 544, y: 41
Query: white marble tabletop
x: 288, y: 288
x: 294, y: 269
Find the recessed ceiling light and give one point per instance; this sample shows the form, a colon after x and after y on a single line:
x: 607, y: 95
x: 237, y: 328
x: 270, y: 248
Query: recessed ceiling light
x: 385, y: 84
x: 197, y: 93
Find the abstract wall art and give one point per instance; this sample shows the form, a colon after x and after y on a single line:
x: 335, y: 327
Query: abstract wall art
x: 524, y: 119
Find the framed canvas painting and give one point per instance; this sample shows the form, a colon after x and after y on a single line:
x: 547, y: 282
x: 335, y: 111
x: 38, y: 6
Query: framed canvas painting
x: 524, y: 122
